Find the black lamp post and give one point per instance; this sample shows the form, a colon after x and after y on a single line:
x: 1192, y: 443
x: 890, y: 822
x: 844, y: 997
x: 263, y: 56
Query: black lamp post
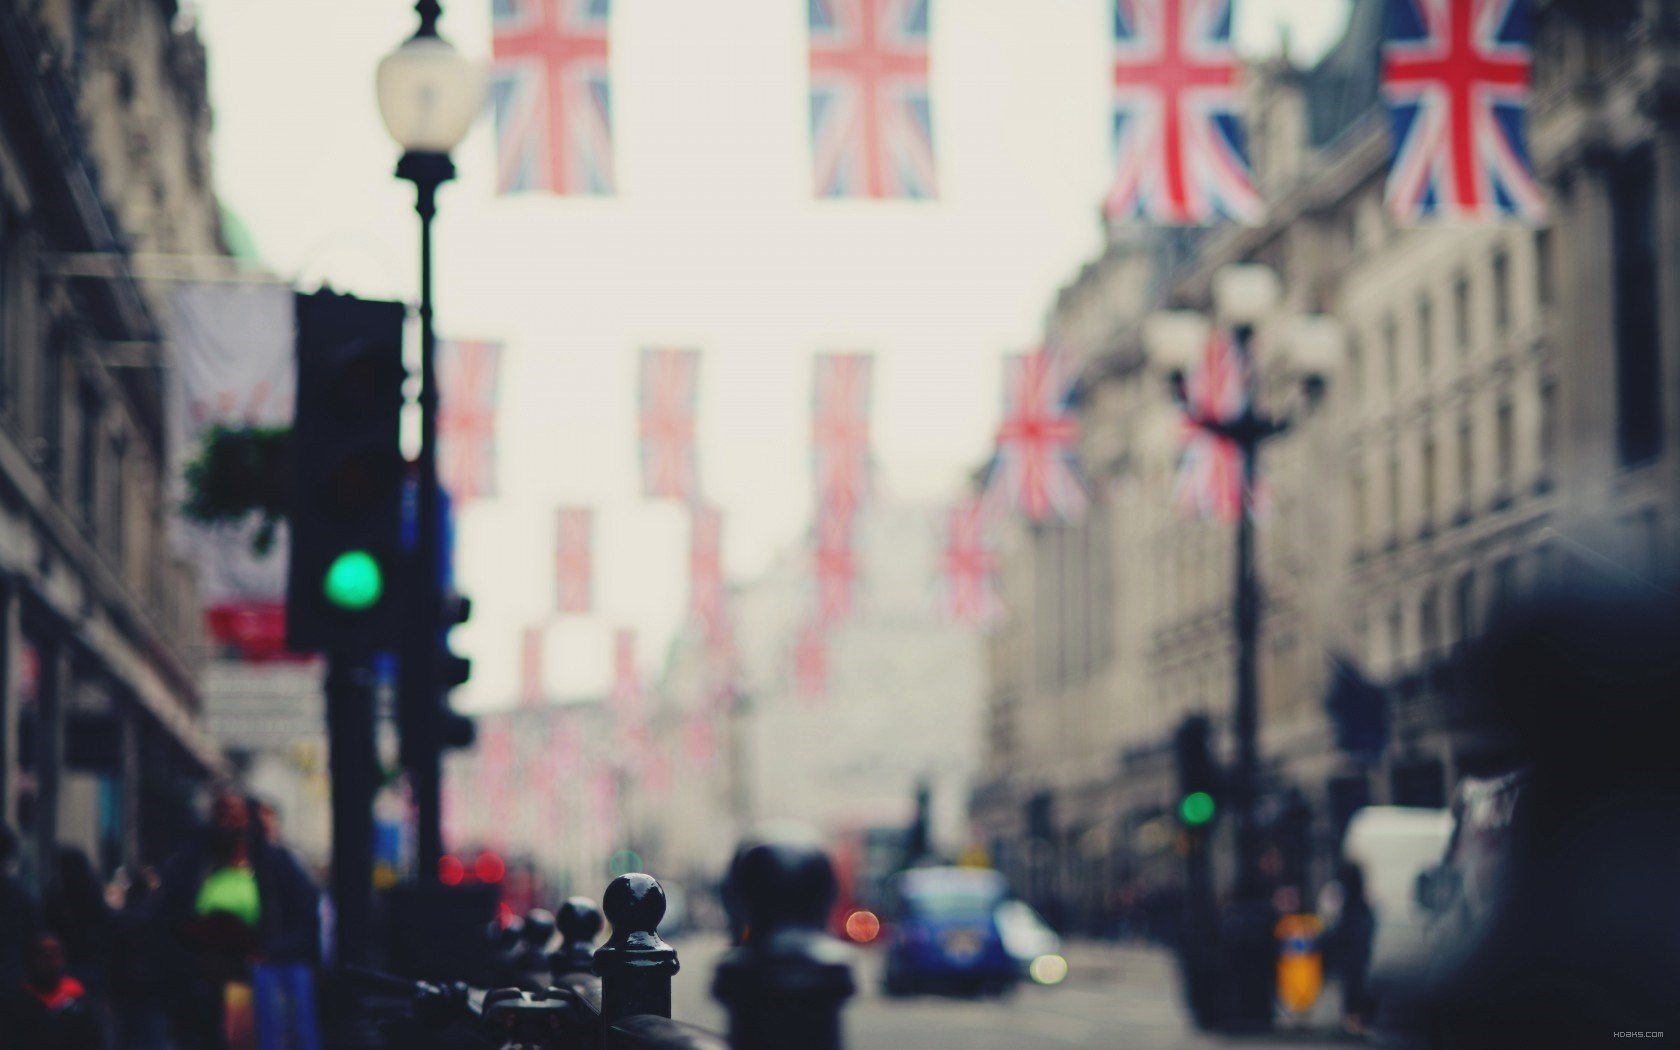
x: 428, y: 96
x: 1243, y: 294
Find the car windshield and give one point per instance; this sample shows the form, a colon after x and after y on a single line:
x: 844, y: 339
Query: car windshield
x: 951, y: 904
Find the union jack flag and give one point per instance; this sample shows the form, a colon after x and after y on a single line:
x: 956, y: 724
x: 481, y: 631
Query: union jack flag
x: 968, y: 565
x: 840, y: 430
x: 468, y: 373
x: 705, y: 568
x: 1456, y: 81
x: 573, y: 566
x: 699, y: 741
x: 531, y: 666
x: 669, y: 384
x: 1210, y: 470
x: 871, y: 119
x: 1180, y: 156
x: 1035, y: 469
x: 495, y: 774
x: 552, y: 96
x: 810, y: 661
x: 627, y: 681
x: 835, y: 567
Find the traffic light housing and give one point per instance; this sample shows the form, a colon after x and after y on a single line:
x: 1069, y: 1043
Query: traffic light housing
x: 1198, y: 775
x: 448, y: 730
x: 347, y: 476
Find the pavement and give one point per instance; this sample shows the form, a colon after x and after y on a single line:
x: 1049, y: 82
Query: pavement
x: 1116, y: 996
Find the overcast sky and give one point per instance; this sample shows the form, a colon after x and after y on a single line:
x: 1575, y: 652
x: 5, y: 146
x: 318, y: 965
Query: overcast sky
x: 713, y: 242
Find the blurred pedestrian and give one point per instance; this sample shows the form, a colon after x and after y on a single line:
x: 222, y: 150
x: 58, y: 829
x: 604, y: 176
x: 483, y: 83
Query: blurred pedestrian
x: 20, y: 920
x: 1350, y: 949
x: 139, y: 961
x: 231, y: 902
x: 284, y: 974
x: 75, y: 910
x: 48, y: 1009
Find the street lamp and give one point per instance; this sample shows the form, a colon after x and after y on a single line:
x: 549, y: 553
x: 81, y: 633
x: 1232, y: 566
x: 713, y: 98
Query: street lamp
x: 429, y: 95
x: 1243, y: 296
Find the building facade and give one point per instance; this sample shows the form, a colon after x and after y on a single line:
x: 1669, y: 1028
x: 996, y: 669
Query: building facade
x: 104, y: 162
x: 1504, y: 413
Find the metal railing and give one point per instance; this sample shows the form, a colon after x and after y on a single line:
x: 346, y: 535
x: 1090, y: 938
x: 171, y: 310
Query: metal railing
x: 783, y: 983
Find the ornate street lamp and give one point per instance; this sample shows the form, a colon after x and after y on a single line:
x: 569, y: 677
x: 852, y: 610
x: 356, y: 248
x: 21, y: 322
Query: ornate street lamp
x: 1243, y: 296
x: 429, y: 95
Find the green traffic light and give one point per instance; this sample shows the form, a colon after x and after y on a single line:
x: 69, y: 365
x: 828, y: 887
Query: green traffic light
x: 1196, y: 809
x: 353, y: 581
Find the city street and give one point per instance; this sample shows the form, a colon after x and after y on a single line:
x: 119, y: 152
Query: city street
x: 1113, y: 997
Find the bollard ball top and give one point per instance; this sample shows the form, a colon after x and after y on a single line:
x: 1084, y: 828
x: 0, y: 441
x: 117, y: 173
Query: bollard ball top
x: 538, y: 928
x: 579, y: 920
x: 781, y: 884
x: 634, y: 903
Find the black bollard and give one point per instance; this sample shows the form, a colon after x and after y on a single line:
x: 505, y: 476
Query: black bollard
x: 635, y: 965
x: 580, y: 923
x: 785, y: 983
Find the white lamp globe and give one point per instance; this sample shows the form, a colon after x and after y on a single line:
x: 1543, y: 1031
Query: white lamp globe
x: 429, y: 95
x: 1175, y: 339
x: 1244, y: 293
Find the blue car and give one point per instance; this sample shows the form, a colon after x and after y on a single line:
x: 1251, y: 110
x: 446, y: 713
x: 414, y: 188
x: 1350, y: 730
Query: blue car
x: 945, y: 935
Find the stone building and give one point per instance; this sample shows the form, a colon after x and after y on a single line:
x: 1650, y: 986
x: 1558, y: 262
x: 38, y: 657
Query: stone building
x: 104, y: 164
x: 1505, y: 410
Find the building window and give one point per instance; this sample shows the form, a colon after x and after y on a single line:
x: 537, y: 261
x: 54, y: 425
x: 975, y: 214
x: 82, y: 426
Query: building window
x: 1466, y: 463
x: 1501, y: 292
x: 1504, y: 581
x: 49, y: 443
x: 1639, y: 387
x: 1464, y: 609
x: 87, y: 457
x: 9, y: 362
x: 1426, y: 333
x: 1429, y: 624
x: 1506, y: 440
x: 1396, y: 639
x: 1548, y: 428
x: 1394, y: 491
x: 1461, y: 313
x: 1356, y: 366
x: 1391, y: 353
x: 1361, y: 523
x: 1430, y: 491
x: 1544, y: 260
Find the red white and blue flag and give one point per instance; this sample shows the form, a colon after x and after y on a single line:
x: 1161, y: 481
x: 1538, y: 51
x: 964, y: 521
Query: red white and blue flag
x: 627, y: 681
x: 468, y: 375
x: 840, y: 431
x: 551, y: 92
x: 531, y: 666
x: 1210, y: 469
x: 1035, y: 469
x: 810, y: 661
x: 574, y: 572
x: 871, y: 118
x: 1179, y: 149
x: 669, y: 386
x: 834, y: 567
x: 968, y: 565
x: 705, y: 569
x: 1456, y: 82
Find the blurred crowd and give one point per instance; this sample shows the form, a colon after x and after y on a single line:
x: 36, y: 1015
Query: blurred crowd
x: 218, y: 950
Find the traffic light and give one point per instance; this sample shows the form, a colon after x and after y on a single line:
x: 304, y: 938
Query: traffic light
x: 347, y: 475
x: 1198, y: 776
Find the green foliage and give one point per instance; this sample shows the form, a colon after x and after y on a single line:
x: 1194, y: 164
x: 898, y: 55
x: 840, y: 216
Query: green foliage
x: 240, y: 472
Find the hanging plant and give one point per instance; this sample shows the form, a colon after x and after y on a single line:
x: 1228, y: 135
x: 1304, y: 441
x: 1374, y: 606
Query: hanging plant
x: 240, y: 472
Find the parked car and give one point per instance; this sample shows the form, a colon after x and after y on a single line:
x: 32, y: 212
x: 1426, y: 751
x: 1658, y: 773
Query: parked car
x: 945, y: 933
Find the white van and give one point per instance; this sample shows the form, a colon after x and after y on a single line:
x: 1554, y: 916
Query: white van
x: 1393, y: 845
